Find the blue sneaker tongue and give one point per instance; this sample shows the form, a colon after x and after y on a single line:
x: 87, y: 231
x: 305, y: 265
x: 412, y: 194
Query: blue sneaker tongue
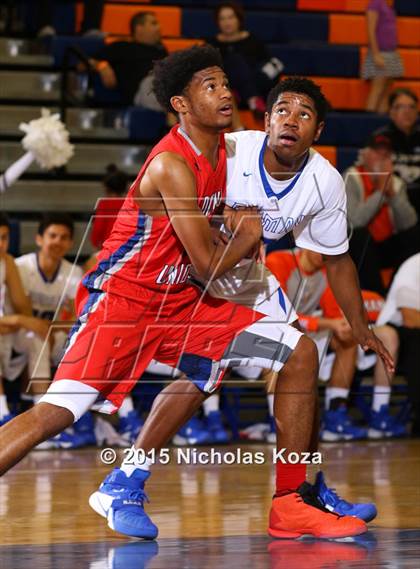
x: 140, y: 475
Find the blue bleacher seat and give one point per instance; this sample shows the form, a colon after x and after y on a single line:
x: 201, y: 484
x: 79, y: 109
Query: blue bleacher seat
x: 64, y: 17
x: 407, y: 7
x: 346, y: 157
x: 273, y: 27
x: 88, y: 45
x: 318, y: 59
x: 350, y: 129
x: 247, y: 4
x: 145, y: 125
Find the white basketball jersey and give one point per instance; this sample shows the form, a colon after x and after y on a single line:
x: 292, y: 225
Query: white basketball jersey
x: 312, y: 204
x: 2, y: 285
x: 48, y: 296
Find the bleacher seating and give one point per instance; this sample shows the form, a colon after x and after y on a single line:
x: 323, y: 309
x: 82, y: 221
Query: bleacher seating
x: 322, y: 39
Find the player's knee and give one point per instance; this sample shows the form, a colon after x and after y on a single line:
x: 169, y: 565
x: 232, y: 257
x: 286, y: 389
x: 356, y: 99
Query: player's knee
x: 306, y: 360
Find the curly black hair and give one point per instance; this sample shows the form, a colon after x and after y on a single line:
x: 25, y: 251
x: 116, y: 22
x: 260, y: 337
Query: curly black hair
x: 300, y: 85
x: 172, y: 74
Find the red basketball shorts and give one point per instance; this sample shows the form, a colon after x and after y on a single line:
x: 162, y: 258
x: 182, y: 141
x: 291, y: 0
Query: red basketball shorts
x: 115, y: 338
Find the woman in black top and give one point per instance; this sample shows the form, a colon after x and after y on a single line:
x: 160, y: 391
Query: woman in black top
x: 251, y: 70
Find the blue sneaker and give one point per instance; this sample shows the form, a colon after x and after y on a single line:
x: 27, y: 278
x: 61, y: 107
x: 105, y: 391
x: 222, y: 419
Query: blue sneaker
x: 333, y: 502
x: 215, y: 427
x: 120, y: 499
x: 85, y: 429
x: 192, y: 433
x: 7, y: 418
x: 337, y: 425
x: 130, y: 426
x: 383, y: 425
x: 67, y: 440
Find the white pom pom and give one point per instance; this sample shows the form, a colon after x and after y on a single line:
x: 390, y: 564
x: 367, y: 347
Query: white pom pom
x: 48, y: 140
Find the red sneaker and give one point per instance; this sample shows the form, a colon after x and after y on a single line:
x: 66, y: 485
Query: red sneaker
x: 301, y: 513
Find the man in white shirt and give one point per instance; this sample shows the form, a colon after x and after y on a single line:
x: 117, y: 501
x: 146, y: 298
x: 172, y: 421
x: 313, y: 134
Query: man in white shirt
x: 399, y: 328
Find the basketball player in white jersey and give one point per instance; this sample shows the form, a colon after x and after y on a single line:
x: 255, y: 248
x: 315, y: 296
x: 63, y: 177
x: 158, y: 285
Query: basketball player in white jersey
x: 296, y: 189
x: 9, y: 283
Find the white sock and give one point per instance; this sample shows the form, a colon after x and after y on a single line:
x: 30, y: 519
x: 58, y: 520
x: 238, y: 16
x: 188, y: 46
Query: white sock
x: 211, y: 404
x: 36, y: 398
x: 270, y: 401
x: 126, y: 407
x: 4, y: 408
x: 134, y: 462
x: 381, y: 396
x: 334, y: 392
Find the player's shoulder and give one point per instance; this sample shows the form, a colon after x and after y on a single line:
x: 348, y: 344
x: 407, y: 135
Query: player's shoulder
x: 328, y: 176
x: 26, y: 261
x: 244, y: 139
x: 410, y: 270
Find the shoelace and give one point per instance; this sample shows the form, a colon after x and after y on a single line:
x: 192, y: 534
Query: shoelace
x: 332, y: 496
x: 139, y: 495
x: 311, y: 498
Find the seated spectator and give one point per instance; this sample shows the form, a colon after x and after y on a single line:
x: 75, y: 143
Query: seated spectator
x: 127, y: 64
x: 403, y: 132
x: 115, y: 185
x: 399, y: 329
x: 18, y: 304
x: 385, y: 230
x: 91, y: 21
x: 383, y: 62
x: 303, y: 278
x: 252, y: 72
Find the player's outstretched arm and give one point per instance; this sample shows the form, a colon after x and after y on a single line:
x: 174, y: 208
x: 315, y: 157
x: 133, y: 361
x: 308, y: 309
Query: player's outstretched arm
x: 176, y: 184
x: 343, y: 279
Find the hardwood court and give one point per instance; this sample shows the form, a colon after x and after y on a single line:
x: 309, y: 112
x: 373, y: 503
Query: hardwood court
x: 208, y: 516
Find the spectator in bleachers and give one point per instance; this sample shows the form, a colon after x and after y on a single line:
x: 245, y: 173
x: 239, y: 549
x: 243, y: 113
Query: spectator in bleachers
x: 91, y: 24
x: 399, y: 330
x: 403, y: 132
x: 383, y: 62
x: 252, y: 72
x: 18, y: 304
x: 127, y: 64
x: 115, y: 185
x: 303, y: 277
x: 385, y: 229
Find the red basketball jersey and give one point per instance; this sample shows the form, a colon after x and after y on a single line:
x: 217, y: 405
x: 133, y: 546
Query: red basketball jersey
x: 145, y: 252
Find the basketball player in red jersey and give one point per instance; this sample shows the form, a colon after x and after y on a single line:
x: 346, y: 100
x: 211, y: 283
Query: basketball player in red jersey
x: 137, y: 304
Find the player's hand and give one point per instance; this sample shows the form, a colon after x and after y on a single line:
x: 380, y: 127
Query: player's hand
x: 219, y: 236
x: 379, y: 60
x: 367, y: 339
x: 243, y: 220
x: 260, y: 256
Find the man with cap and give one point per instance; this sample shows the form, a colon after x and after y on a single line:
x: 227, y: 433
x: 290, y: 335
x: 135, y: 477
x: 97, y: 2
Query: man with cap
x: 384, y: 223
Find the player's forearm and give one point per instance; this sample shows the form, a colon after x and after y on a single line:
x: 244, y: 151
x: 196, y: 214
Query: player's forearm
x: 221, y: 258
x: 343, y: 279
x: 33, y: 324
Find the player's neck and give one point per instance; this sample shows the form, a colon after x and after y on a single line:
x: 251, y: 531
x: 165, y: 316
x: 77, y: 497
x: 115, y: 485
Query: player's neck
x: 207, y: 141
x: 280, y: 168
x: 47, y: 264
